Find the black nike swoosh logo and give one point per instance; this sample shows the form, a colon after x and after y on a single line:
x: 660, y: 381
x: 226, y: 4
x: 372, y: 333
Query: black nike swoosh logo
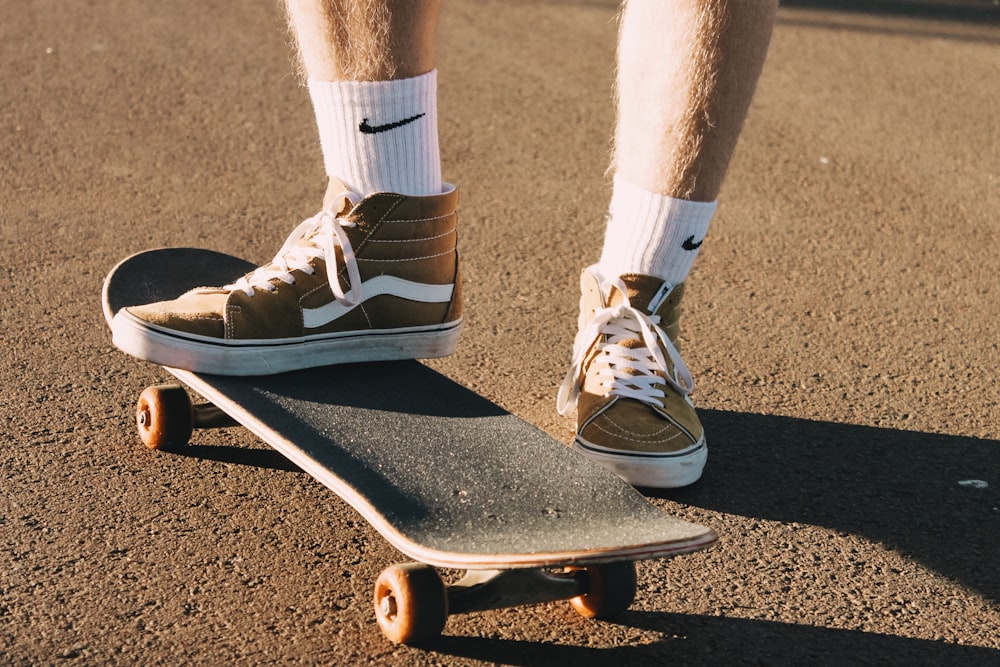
x: 689, y: 243
x: 375, y: 129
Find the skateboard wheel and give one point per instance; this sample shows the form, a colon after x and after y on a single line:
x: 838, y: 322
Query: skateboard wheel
x: 411, y: 604
x: 610, y: 590
x: 164, y: 416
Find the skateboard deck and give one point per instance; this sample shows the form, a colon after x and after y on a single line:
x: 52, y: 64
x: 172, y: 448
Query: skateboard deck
x: 447, y: 477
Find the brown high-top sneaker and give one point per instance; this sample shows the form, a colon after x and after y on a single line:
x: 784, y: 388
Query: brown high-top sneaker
x: 629, y: 384
x: 367, y: 280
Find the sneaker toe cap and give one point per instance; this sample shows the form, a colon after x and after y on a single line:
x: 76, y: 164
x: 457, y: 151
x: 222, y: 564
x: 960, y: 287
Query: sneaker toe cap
x: 189, y: 318
x: 631, y: 425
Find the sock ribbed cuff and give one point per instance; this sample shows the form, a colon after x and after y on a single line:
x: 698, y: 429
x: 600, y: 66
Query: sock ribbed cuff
x: 380, y: 136
x: 652, y: 234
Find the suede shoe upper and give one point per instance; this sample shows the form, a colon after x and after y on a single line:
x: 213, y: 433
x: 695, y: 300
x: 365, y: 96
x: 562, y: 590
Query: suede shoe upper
x: 628, y: 382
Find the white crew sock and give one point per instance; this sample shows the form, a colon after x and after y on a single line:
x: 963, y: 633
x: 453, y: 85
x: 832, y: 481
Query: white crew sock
x: 380, y: 136
x: 652, y: 234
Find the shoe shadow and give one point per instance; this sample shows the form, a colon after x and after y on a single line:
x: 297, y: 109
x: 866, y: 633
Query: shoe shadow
x: 396, y: 387
x: 898, y: 488
x: 696, y: 640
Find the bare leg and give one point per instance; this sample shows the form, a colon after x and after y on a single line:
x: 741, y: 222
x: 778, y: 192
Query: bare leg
x: 370, y: 69
x: 687, y: 71
x: 365, y: 40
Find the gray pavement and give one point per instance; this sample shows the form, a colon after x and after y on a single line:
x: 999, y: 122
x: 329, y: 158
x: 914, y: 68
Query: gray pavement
x: 842, y: 324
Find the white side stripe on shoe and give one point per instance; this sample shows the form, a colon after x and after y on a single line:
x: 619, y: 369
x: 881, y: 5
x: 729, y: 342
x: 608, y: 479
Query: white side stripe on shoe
x: 377, y: 286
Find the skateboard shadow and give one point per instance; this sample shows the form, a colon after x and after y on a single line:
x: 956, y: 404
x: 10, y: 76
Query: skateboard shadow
x: 897, y: 488
x: 267, y: 459
x: 697, y: 640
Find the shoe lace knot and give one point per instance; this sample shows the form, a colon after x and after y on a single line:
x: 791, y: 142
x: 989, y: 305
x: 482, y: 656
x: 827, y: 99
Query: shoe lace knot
x: 316, y: 237
x: 628, y: 346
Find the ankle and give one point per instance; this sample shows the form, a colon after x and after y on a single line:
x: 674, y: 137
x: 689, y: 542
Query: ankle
x: 380, y: 136
x: 652, y: 234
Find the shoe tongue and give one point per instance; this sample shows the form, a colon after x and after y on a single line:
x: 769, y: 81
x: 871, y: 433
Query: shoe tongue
x: 334, y: 201
x: 641, y: 292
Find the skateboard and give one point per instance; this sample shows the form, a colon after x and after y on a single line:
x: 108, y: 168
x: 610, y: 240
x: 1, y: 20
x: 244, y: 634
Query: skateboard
x: 448, y: 478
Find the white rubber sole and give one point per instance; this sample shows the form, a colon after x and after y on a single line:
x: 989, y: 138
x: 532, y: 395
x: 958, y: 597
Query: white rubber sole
x: 202, y: 354
x: 651, y: 471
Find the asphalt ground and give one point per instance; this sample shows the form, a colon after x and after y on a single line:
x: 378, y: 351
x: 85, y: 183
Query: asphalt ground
x: 841, y: 322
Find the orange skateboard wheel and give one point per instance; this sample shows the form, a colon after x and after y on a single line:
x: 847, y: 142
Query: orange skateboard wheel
x: 411, y: 604
x: 610, y: 590
x: 164, y: 416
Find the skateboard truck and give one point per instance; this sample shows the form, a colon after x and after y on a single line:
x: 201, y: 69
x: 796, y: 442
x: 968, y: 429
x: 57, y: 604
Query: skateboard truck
x: 412, y: 603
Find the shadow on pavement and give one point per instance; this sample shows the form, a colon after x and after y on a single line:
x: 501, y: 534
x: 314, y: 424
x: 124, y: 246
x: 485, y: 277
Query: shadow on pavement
x: 898, y: 488
x: 963, y: 20
x: 974, y: 11
x: 266, y: 459
x: 697, y: 640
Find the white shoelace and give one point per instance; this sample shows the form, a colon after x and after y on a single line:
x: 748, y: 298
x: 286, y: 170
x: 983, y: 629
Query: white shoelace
x: 630, y: 372
x: 316, y: 237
